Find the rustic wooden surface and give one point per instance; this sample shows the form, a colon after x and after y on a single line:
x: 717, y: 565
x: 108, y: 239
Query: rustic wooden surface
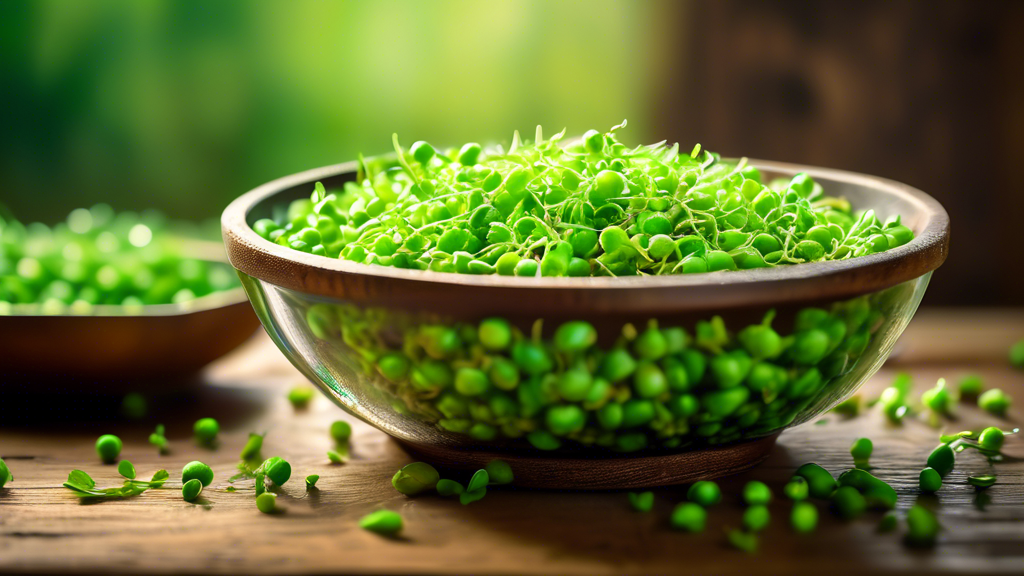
x: 43, y: 528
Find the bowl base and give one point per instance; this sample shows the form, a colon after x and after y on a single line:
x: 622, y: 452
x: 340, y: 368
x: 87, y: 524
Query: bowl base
x: 626, y: 472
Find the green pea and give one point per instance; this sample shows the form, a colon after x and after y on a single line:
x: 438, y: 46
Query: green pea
x: 804, y: 517
x: 849, y: 407
x: 503, y: 374
x: 198, y: 471
x: 761, y: 341
x: 676, y: 375
x: 994, y: 401
x: 641, y: 501
x: 766, y: 244
x: 877, y: 494
x: 432, y: 374
x: 719, y: 260
x: 730, y: 369
x: 694, y: 265
x: 810, y: 347
x: 848, y: 503
x: 796, y: 489
x: 528, y: 268
x: 206, y: 430
x: 971, y: 386
x: 383, y: 522
x: 422, y: 152
x: 251, y: 449
x: 942, y: 459
x: 593, y: 141
x: 5, y: 473
x: 266, y: 503
x: 564, y: 420
x: 190, y: 490
x: 893, y: 404
x: 661, y: 246
x: 277, y: 469
x: 724, y: 402
x: 575, y: 336
x: 394, y: 366
x: 299, y: 397
x: 938, y: 399
x: 449, y: 488
x: 930, y: 480
x: 531, y: 358
x: 637, y: 412
x: 471, y: 382
x: 651, y: 344
x: 991, y: 439
x: 341, y: 431
x: 599, y: 395
x: 695, y: 363
x: 264, y: 227
x: 607, y: 185
x: 922, y: 526
x: 495, y: 334
x: 820, y: 483
x: 756, y: 518
x: 689, y: 517
x: 483, y: 432
x: 578, y: 268
x: 649, y: 381
x: 507, y: 264
x: 574, y: 385
x: 705, y: 492
x: 415, y: 478
x: 543, y: 440
x: 757, y: 493
x: 631, y: 442
x: 108, y: 447
x: 861, y: 450
x: 126, y: 469
x: 618, y: 365
x: 610, y: 416
x: 469, y: 153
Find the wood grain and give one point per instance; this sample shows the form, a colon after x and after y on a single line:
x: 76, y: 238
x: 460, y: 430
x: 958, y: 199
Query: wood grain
x: 511, y: 531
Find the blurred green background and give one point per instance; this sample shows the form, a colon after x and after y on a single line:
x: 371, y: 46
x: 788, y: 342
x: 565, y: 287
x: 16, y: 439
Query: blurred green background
x: 184, y: 105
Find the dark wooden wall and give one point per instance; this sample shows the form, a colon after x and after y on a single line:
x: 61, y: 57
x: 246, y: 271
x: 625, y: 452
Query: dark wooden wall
x: 928, y: 93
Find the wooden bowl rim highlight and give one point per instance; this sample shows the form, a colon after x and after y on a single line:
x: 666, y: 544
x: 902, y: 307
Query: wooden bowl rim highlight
x: 338, y: 279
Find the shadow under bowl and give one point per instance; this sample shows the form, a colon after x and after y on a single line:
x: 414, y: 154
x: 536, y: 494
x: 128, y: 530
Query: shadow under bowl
x: 401, y: 349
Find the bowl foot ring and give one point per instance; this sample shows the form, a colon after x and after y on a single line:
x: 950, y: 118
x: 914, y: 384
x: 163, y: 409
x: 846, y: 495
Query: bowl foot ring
x: 604, y: 473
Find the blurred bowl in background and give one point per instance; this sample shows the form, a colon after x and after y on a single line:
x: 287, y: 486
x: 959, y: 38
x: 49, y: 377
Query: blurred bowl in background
x: 113, y: 348
x: 344, y: 324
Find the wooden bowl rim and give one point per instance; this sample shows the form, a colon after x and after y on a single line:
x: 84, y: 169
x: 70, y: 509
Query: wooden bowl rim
x: 340, y: 279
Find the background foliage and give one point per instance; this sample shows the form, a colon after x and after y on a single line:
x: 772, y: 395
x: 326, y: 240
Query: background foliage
x: 183, y: 105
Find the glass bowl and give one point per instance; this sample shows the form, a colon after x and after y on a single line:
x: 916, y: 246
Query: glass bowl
x: 590, y: 382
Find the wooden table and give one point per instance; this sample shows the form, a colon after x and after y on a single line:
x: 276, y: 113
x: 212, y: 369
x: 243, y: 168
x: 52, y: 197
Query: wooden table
x: 43, y: 528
